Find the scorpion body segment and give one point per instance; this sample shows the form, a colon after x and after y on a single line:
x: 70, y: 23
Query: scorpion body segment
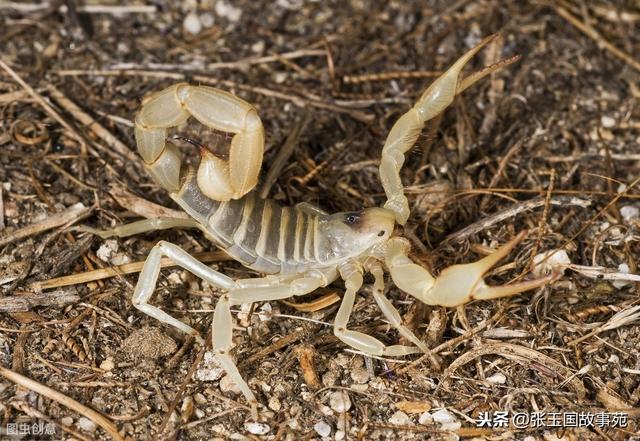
x: 299, y: 248
x: 272, y: 239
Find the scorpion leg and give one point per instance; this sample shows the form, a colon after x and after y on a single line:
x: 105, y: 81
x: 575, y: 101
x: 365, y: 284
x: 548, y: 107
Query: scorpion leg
x: 141, y: 226
x: 253, y: 290
x: 387, y: 308
x: 406, y: 130
x: 222, y: 323
x: 457, y: 284
x: 149, y: 277
x: 238, y: 292
x: 352, y: 275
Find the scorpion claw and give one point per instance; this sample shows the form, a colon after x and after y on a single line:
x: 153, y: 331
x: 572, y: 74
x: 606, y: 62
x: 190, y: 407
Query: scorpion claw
x: 457, y: 284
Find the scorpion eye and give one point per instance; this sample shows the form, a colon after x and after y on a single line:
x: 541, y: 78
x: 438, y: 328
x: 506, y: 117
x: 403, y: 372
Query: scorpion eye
x: 351, y: 218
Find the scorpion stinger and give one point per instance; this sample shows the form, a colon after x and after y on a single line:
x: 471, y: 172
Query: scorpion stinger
x: 299, y: 248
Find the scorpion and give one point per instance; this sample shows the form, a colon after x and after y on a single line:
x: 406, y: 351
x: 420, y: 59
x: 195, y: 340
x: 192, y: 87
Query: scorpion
x: 299, y: 248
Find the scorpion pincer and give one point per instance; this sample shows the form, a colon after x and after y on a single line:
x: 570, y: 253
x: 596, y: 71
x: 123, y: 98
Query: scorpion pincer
x: 299, y: 248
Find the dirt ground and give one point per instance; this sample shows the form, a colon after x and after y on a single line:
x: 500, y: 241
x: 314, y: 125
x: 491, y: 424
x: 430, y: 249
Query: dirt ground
x: 550, y: 144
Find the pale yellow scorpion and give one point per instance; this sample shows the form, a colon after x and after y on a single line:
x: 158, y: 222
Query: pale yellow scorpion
x: 300, y: 248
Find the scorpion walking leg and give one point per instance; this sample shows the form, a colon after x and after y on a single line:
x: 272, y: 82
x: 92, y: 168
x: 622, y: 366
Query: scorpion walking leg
x: 389, y: 311
x: 141, y: 226
x: 406, y: 130
x: 352, y: 276
x: 241, y: 291
x: 149, y: 277
x: 253, y: 290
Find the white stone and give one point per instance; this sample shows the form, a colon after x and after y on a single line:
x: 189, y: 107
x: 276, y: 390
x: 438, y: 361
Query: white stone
x: 120, y: 259
x: 452, y: 426
x: 258, y: 47
x: 400, y: 419
x: 274, y: 404
x: 624, y: 269
x: 322, y: 429
x: 443, y: 416
x: 550, y: 261
x: 265, y: 312
x: 497, y: 378
x: 425, y: 418
x: 227, y: 10
x: 257, y: 428
x: 359, y: 374
x: 228, y: 385
x: 629, y: 212
x: 66, y: 421
x: 192, y: 23
x: 207, y: 20
x: 87, y: 425
x: 108, y: 248
x: 107, y: 364
x: 339, y: 401
x: 340, y: 434
x: 607, y: 122
x: 211, y: 370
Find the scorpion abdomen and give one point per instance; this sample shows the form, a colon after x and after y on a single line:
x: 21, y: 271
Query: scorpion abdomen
x: 259, y: 233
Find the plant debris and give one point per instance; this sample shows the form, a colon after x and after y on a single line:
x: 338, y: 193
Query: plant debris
x: 549, y: 144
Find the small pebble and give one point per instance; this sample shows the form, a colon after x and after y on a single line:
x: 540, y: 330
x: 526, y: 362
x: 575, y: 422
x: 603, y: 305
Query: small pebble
x: 265, y: 312
x: 607, y: 122
x: 192, y: 23
x: 207, y: 20
x: 227, y: 10
x: 425, y: 418
x: 228, y: 385
x: 107, y: 364
x: 443, y: 416
x: 120, y: 259
x: 322, y: 429
x: 339, y: 401
x: 629, y: 212
x: 340, y: 434
x: 108, y: 248
x: 400, y: 419
x: 454, y: 425
x: 258, y: 47
x: 87, y: 425
x: 257, y: 428
x: 66, y: 421
x: 274, y: 404
x: 550, y: 261
x: 359, y: 374
x: 624, y: 269
x: 497, y: 378
x: 211, y: 370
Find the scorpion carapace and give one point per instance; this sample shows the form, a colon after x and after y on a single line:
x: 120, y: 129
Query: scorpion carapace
x: 300, y: 248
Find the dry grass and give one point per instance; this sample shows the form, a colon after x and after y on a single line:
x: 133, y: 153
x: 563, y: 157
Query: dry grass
x: 550, y: 144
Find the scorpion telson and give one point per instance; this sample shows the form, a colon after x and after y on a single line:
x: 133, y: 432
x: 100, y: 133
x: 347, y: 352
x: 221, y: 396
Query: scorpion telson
x: 300, y: 248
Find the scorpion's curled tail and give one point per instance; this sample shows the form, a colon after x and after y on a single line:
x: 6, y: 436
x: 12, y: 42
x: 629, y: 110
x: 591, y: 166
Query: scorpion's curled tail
x: 218, y: 179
